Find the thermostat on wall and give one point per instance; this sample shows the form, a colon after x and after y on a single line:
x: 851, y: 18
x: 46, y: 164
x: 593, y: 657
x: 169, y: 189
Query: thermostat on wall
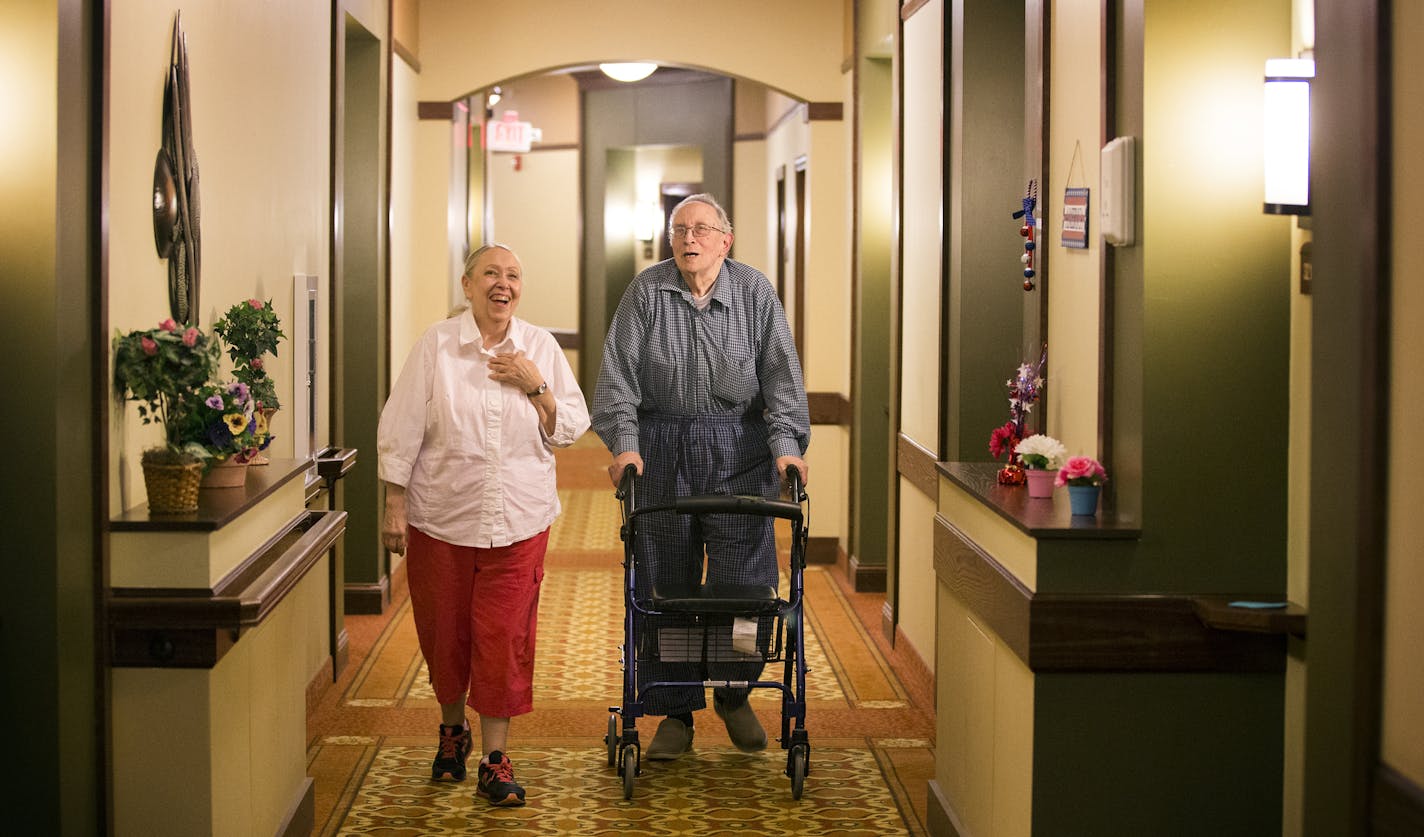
x: 1118, y: 162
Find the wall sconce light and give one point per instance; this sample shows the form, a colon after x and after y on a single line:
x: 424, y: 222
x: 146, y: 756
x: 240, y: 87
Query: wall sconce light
x: 628, y: 71
x: 647, y: 221
x: 1287, y: 135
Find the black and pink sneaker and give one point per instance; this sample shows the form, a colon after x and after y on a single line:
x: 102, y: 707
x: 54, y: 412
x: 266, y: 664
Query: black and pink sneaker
x: 455, y: 744
x: 496, y: 781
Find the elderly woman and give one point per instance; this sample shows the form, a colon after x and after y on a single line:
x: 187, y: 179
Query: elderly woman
x: 466, y: 444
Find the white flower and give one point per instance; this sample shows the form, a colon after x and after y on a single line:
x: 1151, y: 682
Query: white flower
x: 1039, y: 451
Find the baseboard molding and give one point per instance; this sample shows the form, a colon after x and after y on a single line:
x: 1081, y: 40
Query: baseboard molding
x: 320, y: 682
x: 373, y: 599
x: 913, y: 657
x: 823, y: 550
x: 866, y: 578
x: 342, y: 655
x: 301, y: 819
x: 940, y: 818
x: 1398, y: 805
x: 368, y: 599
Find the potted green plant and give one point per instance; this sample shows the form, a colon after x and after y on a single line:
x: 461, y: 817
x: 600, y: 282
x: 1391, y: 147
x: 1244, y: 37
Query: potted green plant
x: 162, y: 369
x: 252, y: 330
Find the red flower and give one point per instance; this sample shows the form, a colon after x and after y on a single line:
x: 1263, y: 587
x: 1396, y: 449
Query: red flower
x: 190, y: 337
x: 255, y: 364
x: 1003, y: 440
x: 255, y: 303
x: 150, y: 347
x: 168, y: 325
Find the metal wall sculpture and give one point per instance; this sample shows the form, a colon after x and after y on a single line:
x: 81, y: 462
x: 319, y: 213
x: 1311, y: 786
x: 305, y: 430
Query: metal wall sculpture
x: 175, y: 188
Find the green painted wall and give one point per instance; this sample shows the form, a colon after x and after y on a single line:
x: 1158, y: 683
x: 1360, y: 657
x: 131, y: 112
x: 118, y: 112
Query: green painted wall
x: 361, y: 309
x: 49, y: 183
x: 1126, y: 755
x: 1202, y: 313
x: 984, y: 183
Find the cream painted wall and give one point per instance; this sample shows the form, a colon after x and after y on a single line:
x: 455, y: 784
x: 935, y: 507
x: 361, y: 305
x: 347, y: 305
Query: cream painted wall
x: 466, y: 46
x: 1074, y: 294
x: 828, y: 346
x: 419, y: 296
x: 1402, y: 734
x: 433, y: 145
x: 752, y: 206
x: 261, y: 128
x: 535, y: 210
x: 922, y: 229
x: 915, y: 611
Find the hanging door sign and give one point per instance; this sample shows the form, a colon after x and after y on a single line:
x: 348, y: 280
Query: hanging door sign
x: 1075, y: 217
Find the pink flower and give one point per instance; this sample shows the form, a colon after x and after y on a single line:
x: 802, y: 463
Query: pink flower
x: 168, y: 325
x: 190, y: 337
x: 255, y: 364
x: 150, y: 347
x: 1081, y: 470
x: 255, y: 303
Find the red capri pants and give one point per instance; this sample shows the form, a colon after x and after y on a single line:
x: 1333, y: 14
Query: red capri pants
x: 475, y: 611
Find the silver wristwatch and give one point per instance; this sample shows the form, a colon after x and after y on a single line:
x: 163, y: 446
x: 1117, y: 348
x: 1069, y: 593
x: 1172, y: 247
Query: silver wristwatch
x: 543, y: 388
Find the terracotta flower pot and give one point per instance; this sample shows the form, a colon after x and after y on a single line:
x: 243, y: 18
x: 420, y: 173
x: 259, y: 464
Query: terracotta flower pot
x: 225, y: 474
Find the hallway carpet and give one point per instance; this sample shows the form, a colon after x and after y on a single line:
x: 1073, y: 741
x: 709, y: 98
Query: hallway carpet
x: 371, y: 735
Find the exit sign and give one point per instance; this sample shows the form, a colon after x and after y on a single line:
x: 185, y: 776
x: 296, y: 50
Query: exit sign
x: 509, y: 134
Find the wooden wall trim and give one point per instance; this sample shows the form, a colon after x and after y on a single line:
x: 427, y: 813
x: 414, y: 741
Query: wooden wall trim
x: 1398, y: 805
x: 179, y: 628
x: 917, y: 464
x: 825, y: 111
x: 999, y: 599
x: 403, y: 53
x: 567, y: 339
x: 1055, y: 632
x: 823, y: 549
x: 829, y: 408
x: 908, y: 10
x: 435, y: 110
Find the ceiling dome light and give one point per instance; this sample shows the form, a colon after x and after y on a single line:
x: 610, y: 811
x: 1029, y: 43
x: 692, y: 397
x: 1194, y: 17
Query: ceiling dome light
x: 633, y: 71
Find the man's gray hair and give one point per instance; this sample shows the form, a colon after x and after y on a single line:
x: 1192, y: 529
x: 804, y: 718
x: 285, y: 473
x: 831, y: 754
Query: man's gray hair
x: 701, y: 197
x: 475, y: 254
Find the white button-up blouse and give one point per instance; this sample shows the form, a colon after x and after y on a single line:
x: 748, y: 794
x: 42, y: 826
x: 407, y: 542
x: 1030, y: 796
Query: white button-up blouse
x: 477, y: 466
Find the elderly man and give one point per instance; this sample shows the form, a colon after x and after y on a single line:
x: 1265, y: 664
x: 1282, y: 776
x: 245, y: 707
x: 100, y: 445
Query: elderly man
x: 700, y: 374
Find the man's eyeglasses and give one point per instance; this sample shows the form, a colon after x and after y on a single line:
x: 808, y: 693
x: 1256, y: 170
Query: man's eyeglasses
x: 699, y: 231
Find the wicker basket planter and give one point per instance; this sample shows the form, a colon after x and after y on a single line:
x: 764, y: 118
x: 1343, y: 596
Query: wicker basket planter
x: 172, y: 488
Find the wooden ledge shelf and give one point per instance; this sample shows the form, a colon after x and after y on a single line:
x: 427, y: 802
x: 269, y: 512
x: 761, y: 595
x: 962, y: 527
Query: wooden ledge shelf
x: 1046, y: 519
x: 216, y: 507
x: 1217, y: 612
x: 185, y: 628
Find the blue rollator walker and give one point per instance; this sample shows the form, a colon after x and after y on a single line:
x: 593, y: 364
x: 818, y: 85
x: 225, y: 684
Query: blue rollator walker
x: 695, y: 626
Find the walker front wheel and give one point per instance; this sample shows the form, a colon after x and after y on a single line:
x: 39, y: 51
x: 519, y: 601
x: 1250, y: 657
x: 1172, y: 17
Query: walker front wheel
x: 797, y: 771
x: 630, y: 771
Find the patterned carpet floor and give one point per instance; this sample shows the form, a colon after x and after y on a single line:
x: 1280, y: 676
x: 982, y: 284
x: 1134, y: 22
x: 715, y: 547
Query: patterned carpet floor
x: 869, y: 715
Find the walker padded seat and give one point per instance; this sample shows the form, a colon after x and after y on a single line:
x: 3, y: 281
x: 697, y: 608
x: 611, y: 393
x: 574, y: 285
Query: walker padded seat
x: 715, y: 598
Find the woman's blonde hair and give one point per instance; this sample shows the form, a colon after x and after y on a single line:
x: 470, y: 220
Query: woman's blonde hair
x: 473, y: 258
